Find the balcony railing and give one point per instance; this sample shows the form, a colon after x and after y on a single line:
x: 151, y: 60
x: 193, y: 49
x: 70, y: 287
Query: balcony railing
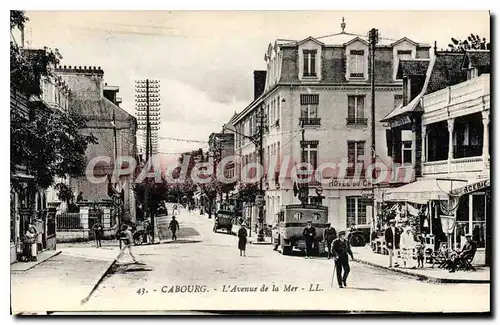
x: 308, y: 121
x: 458, y: 165
x: 357, y: 121
x: 462, y: 92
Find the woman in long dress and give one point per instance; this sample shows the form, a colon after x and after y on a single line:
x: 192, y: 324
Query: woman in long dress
x: 31, y: 235
x: 407, y: 244
x: 242, y: 240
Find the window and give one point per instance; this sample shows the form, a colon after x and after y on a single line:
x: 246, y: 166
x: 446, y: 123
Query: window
x: 297, y: 216
x: 398, y: 100
x: 356, y: 110
x: 356, y: 211
x: 311, y: 153
x: 355, y: 154
x: 357, y: 63
x: 406, y: 152
x: 404, y: 55
x: 309, y: 63
x: 309, y: 109
x: 315, y: 200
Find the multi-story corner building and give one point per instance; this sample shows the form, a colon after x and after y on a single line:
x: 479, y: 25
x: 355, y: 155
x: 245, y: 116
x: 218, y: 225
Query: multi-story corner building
x: 114, y: 128
x: 221, y: 148
x: 322, y: 85
x: 29, y: 200
x: 446, y: 110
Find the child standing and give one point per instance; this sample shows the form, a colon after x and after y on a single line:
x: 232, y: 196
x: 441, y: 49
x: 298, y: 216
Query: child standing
x: 420, y: 251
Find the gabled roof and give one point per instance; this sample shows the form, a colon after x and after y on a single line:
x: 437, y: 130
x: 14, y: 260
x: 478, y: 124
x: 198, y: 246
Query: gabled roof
x: 412, y: 68
x: 312, y: 39
x: 357, y: 39
x: 404, y: 39
x: 477, y: 59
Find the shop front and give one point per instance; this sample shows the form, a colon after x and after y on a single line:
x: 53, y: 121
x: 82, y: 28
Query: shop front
x: 455, y: 207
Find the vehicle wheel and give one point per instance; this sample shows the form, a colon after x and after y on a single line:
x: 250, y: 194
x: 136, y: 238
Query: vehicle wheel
x: 138, y: 240
x: 286, y: 250
x: 357, y: 240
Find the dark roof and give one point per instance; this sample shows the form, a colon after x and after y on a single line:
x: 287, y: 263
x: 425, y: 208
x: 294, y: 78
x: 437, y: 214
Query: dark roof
x: 447, y: 71
x: 412, y: 68
x: 477, y: 59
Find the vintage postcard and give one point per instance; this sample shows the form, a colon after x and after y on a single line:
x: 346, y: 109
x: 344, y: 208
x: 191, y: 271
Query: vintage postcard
x: 213, y: 162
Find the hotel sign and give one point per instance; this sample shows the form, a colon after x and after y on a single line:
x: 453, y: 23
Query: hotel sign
x: 471, y: 188
x: 349, y: 183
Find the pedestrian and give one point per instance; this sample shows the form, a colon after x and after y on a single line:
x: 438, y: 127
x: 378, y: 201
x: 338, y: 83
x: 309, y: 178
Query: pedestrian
x: 407, y: 245
x: 173, y: 226
x: 31, y: 241
x: 329, y: 235
x: 79, y: 198
x: 341, y: 251
x: 421, y: 251
x: 309, y: 234
x: 242, y: 240
x: 174, y: 210
x: 128, y: 242
x: 392, y: 239
x: 98, y: 233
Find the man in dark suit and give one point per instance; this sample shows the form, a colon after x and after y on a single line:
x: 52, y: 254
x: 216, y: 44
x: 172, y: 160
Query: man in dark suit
x: 309, y: 234
x: 392, y: 238
x: 341, y: 251
x: 468, y: 251
x: 329, y: 235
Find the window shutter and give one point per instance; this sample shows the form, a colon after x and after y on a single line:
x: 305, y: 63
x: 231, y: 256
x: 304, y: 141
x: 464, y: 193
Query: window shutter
x: 361, y: 107
x: 351, y: 108
x: 306, y: 63
x: 313, y: 62
x: 388, y: 138
x: 308, y: 99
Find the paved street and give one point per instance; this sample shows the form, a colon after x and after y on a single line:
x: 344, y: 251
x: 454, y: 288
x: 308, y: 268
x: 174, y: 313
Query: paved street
x: 209, y: 265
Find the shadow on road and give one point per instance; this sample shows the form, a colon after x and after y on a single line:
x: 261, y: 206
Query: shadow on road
x: 365, y: 289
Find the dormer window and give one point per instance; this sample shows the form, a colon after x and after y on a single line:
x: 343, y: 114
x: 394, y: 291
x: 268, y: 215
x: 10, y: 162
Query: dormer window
x: 357, y: 63
x: 310, y: 63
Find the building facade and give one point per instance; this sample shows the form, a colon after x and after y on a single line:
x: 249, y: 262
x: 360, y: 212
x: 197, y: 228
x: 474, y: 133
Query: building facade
x: 448, y: 116
x: 114, y: 128
x: 322, y: 86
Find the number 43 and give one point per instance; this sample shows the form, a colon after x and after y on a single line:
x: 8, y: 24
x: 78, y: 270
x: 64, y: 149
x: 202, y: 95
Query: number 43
x: 141, y: 291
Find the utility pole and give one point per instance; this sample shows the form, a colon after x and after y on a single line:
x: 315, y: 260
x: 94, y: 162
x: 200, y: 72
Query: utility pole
x: 303, y: 188
x: 373, y: 38
x: 147, y: 107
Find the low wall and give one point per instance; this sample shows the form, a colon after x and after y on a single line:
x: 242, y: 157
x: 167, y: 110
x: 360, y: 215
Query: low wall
x: 79, y: 235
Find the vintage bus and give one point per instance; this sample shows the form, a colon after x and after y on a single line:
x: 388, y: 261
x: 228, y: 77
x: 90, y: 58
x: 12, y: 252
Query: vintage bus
x: 290, y: 223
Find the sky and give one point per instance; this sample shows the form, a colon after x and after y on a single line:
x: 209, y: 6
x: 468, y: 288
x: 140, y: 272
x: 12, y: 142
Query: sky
x: 205, y: 59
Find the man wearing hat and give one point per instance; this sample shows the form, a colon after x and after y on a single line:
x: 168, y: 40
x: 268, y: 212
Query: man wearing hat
x: 392, y: 238
x: 341, y: 251
x: 468, y: 251
x: 309, y: 234
x: 329, y: 235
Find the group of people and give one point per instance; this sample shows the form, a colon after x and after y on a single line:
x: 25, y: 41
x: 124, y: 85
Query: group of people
x: 338, y: 248
x: 402, y: 241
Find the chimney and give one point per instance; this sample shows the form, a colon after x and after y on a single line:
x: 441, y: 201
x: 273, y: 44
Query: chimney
x: 259, y: 83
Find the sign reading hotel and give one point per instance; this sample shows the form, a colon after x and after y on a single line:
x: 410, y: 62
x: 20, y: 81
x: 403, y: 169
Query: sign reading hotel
x: 349, y: 183
x: 471, y: 187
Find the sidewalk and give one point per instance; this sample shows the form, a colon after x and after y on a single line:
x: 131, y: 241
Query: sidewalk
x: 61, y: 282
x: 367, y: 256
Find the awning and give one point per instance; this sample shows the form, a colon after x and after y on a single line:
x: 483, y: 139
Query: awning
x: 425, y: 190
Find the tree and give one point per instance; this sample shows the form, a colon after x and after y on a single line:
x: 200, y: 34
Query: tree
x: 473, y: 42
x: 48, y: 142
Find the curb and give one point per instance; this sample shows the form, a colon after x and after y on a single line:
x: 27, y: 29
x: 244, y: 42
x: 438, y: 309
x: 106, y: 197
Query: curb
x: 422, y: 277
x: 39, y: 262
x: 84, y: 300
